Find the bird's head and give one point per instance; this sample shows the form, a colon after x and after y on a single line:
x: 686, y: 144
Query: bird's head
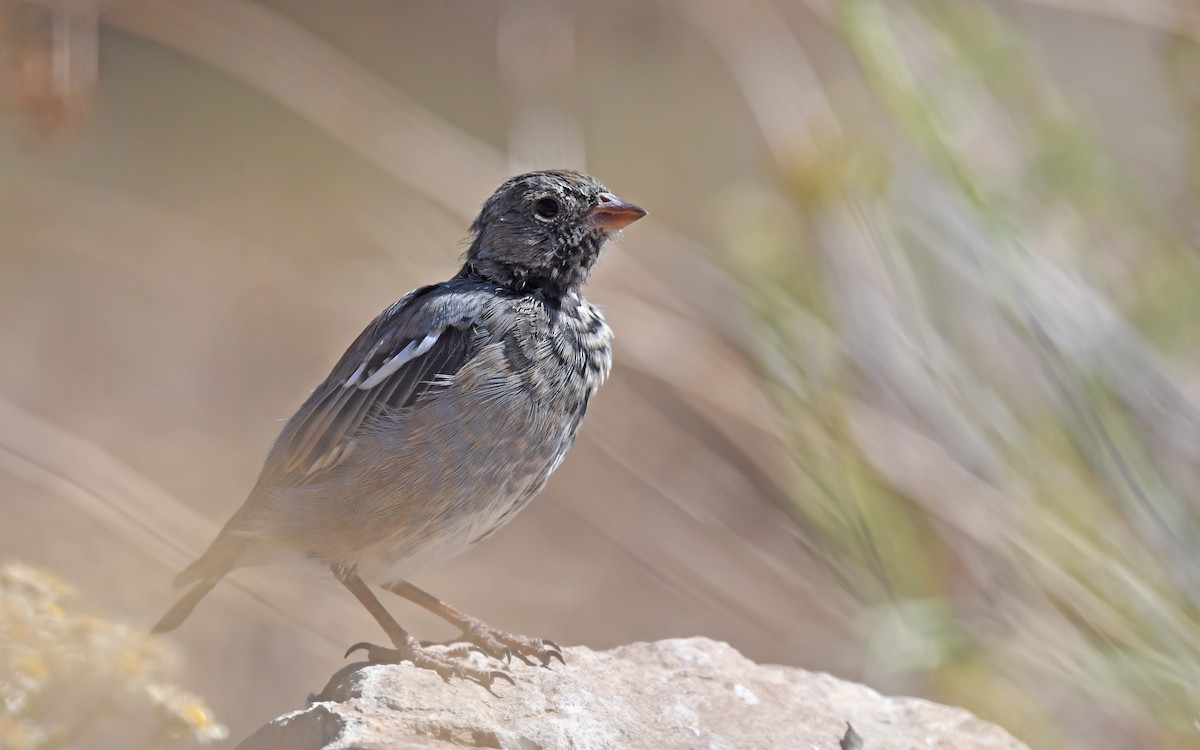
x: 543, y: 231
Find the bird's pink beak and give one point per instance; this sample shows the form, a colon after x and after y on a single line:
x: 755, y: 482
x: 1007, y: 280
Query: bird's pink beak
x: 612, y: 213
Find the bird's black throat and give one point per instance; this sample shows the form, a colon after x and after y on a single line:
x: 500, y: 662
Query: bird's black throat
x: 555, y: 274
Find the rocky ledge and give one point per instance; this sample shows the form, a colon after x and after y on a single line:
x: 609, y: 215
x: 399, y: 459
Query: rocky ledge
x: 682, y: 693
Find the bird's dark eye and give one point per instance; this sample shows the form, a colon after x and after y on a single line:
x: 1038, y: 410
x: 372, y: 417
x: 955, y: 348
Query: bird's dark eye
x: 546, y: 208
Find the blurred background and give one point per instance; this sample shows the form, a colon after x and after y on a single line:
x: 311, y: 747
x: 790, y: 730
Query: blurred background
x: 906, y: 381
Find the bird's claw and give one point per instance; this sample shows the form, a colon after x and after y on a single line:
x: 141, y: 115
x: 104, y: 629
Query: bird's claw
x: 504, y: 646
x: 447, y: 664
x: 553, y: 651
x: 473, y: 649
x: 500, y: 673
x: 370, y: 648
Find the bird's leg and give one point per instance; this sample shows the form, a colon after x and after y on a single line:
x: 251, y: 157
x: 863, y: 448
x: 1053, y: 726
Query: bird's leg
x: 496, y: 643
x: 407, y: 647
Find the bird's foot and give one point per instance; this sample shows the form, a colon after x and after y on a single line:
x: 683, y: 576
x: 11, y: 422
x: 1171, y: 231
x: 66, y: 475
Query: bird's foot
x: 446, y: 663
x: 502, y: 645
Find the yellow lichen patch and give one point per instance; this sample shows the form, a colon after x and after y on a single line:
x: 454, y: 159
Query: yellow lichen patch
x: 186, y: 713
x: 33, y: 666
x: 52, y: 610
x: 130, y: 662
x: 52, y: 656
x: 37, y: 583
x: 16, y: 735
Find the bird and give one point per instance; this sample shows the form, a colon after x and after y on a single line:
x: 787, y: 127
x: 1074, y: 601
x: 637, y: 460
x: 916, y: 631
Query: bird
x: 441, y: 421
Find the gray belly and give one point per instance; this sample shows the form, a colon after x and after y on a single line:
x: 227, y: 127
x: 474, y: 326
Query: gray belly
x: 423, y: 485
x: 503, y: 453
x: 420, y: 484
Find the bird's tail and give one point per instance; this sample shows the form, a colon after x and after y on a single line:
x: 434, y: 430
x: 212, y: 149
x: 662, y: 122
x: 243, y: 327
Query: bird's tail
x: 178, y: 613
x: 205, y: 573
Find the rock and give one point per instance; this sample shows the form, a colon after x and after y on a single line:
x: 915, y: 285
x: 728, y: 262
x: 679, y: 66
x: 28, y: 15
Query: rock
x: 682, y: 693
